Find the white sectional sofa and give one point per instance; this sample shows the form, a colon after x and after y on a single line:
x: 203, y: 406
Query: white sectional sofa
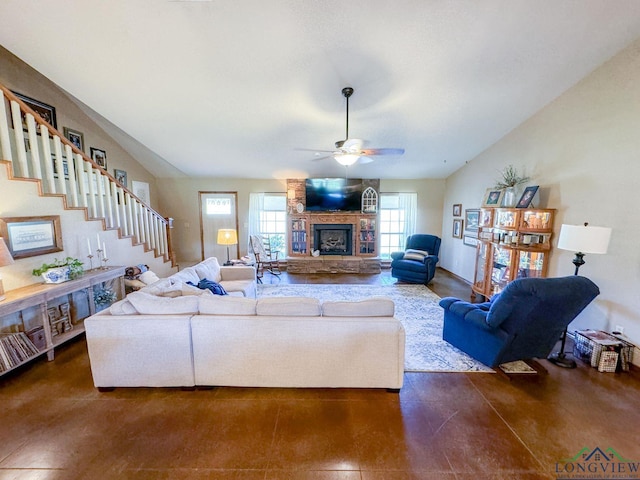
x: 211, y: 340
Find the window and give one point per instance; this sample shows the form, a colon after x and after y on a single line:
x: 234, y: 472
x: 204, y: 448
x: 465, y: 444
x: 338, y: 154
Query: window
x: 397, y: 221
x: 268, y: 218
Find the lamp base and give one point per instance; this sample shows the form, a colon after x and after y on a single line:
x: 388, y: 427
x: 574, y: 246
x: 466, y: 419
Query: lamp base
x: 560, y: 359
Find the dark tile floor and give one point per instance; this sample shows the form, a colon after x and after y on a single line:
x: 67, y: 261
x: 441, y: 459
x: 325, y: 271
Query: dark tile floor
x: 55, y: 425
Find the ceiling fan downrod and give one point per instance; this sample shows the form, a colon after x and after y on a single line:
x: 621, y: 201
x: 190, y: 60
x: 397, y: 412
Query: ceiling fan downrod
x: 346, y: 92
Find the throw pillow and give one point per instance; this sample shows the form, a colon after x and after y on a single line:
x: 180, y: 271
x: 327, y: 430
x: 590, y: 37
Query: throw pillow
x: 215, y: 287
x: 413, y: 254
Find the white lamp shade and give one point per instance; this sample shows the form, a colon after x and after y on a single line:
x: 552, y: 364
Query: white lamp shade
x: 227, y: 236
x: 584, y: 238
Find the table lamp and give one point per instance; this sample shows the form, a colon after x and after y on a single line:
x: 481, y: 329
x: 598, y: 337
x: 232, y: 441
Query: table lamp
x: 5, y: 259
x: 227, y: 236
x: 581, y: 240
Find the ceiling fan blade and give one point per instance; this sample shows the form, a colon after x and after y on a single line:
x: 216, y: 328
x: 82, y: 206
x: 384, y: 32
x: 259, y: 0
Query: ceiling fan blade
x: 382, y: 151
x: 321, y: 158
x: 364, y: 160
x: 313, y: 150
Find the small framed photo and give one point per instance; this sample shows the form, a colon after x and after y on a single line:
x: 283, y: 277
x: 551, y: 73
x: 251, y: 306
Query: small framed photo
x: 457, y: 209
x: 457, y: 228
x: 492, y: 197
x: 527, y: 196
x: 75, y: 137
x: 471, y: 219
x: 99, y: 156
x: 121, y: 177
x: 470, y: 240
x: 47, y: 112
x: 31, y: 236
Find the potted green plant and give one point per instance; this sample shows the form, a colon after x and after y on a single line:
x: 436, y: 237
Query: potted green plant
x: 60, y: 270
x: 509, y: 181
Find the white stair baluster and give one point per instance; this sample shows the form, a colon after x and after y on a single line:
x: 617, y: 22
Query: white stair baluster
x: 57, y: 148
x: 5, y: 141
x: 47, y: 160
x: 19, y: 136
x: 32, y: 133
x: 73, y: 184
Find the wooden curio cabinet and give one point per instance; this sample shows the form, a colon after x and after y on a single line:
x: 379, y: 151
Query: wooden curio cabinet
x: 512, y: 243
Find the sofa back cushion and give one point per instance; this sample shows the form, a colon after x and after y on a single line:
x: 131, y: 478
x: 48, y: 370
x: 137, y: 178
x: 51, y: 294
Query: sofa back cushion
x: 189, y: 274
x: 289, y: 307
x: 147, y: 304
x: 226, y: 305
x: 209, y: 269
x: 370, y: 307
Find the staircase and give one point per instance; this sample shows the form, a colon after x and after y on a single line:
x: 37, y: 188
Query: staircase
x: 38, y: 152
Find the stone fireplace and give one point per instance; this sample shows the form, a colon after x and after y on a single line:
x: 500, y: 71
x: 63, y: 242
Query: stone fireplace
x: 333, y: 238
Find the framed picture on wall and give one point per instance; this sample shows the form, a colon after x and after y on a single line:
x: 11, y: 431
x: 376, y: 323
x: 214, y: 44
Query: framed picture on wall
x: 121, y: 177
x: 31, y: 236
x: 99, y: 156
x: 457, y: 209
x: 470, y: 240
x: 457, y: 228
x: 47, y: 112
x: 471, y: 219
x: 75, y: 137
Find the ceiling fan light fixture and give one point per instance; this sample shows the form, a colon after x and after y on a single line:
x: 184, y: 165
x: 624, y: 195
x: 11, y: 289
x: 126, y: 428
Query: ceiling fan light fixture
x: 346, y: 159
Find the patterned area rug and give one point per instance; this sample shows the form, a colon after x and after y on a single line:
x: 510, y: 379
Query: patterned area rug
x: 416, y: 307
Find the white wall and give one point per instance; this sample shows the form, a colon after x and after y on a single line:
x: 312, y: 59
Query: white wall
x: 582, y: 149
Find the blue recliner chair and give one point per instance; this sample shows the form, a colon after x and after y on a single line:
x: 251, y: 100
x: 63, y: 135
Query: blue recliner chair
x: 413, y: 266
x: 522, y: 322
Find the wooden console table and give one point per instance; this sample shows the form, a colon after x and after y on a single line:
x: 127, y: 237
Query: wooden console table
x: 334, y: 264
x: 45, y: 315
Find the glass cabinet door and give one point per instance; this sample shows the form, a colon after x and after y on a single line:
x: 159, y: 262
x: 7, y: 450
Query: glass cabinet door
x: 501, y: 268
x: 531, y: 264
x: 481, y: 266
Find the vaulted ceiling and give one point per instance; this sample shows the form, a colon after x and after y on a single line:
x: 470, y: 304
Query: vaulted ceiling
x: 234, y: 88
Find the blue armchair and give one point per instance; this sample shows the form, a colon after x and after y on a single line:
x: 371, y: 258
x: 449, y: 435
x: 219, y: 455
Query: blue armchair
x: 523, y: 322
x: 417, y: 264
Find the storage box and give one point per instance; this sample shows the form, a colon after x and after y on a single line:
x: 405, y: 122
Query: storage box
x: 590, y: 345
x: 37, y: 337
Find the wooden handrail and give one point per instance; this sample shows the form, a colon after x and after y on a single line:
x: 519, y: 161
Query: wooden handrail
x: 12, y: 97
x: 144, y: 228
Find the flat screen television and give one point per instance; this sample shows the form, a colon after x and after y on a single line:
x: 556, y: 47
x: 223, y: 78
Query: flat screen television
x: 333, y: 194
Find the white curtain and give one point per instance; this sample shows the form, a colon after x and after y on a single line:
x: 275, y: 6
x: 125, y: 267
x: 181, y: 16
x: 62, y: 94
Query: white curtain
x: 256, y: 205
x: 409, y: 203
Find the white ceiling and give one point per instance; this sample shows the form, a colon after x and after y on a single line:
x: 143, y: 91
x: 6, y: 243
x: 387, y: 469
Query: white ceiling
x: 230, y: 88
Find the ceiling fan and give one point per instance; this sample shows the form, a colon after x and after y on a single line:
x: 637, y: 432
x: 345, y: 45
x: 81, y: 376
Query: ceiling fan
x: 351, y: 150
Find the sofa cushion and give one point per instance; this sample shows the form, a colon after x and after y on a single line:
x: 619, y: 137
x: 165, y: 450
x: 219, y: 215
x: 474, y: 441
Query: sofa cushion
x: 217, y: 305
x: 146, y: 303
x: 289, y: 307
x: 122, y: 307
x: 370, y: 307
x: 187, y: 275
x: 413, y: 254
x: 246, y: 288
x: 209, y: 268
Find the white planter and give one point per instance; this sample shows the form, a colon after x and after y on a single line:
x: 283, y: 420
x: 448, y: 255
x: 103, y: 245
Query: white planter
x: 57, y: 275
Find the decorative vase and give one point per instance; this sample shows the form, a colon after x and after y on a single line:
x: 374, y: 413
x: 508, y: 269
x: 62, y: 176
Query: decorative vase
x: 57, y: 275
x: 509, y: 197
